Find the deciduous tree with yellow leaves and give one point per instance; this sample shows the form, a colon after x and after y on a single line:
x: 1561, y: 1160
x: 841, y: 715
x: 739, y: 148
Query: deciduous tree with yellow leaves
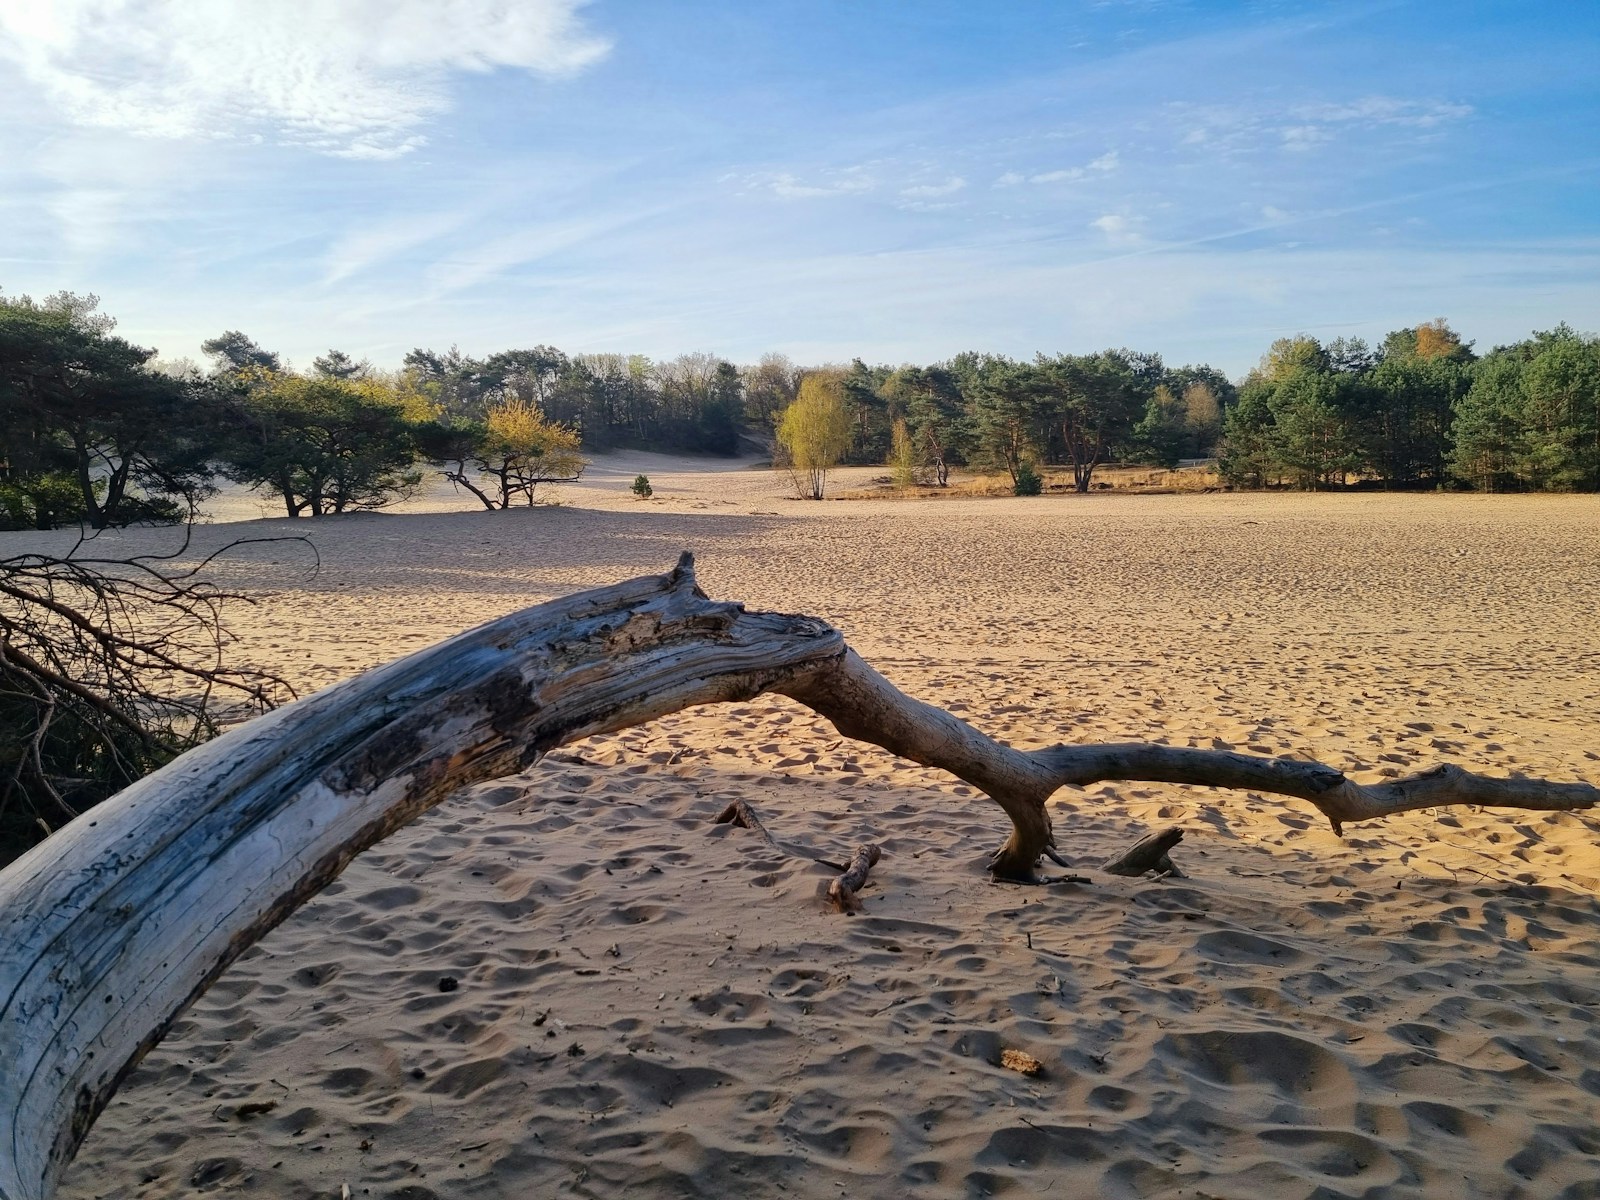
x: 504, y: 458
x: 815, y: 432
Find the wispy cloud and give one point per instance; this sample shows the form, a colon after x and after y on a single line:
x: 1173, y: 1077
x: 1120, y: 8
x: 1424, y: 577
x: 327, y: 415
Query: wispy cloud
x: 372, y: 246
x: 1228, y: 129
x: 930, y: 190
x: 520, y: 247
x: 1118, y: 229
x: 1387, y: 110
x: 1107, y: 162
x: 847, y: 181
x: 1303, y: 137
x: 356, y: 79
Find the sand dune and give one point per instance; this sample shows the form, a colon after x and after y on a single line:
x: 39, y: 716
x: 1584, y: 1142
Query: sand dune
x: 572, y: 983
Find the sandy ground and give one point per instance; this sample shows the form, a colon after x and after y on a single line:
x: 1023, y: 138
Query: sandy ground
x: 650, y: 1005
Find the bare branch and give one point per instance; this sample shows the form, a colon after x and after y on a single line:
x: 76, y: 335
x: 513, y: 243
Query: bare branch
x: 842, y: 891
x: 108, y: 668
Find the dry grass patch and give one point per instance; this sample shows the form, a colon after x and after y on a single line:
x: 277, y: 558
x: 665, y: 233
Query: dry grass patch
x: 1152, y: 481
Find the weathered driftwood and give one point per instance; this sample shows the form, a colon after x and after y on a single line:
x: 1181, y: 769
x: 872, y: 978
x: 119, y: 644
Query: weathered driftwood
x: 842, y: 891
x: 117, y: 923
x: 742, y: 815
x: 863, y: 705
x: 1150, y: 853
x: 112, y: 927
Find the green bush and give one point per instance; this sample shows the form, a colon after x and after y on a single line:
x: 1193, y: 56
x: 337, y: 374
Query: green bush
x: 42, y: 501
x: 1028, y: 481
x: 642, y: 488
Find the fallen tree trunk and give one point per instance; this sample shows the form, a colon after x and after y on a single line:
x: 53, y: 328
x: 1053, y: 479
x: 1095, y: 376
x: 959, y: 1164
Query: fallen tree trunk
x: 116, y: 924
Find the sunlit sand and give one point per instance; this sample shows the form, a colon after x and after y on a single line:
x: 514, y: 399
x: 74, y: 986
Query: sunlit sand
x: 645, y: 1003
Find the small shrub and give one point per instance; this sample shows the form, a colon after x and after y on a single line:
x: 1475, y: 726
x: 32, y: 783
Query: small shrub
x: 1028, y: 482
x: 642, y: 488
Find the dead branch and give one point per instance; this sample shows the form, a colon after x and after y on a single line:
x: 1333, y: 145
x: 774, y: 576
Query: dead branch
x: 740, y: 813
x: 1149, y: 853
x: 108, y: 668
x: 102, y: 948
x: 743, y: 815
x: 842, y: 891
x: 864, y: 705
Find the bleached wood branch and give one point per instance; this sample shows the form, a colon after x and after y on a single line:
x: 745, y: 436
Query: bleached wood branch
x: 864, y: 705
x: 115, y: 925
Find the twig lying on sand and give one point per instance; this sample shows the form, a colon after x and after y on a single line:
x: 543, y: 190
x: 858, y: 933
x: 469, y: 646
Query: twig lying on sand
x: 842, y: 891
x: 740, y: 813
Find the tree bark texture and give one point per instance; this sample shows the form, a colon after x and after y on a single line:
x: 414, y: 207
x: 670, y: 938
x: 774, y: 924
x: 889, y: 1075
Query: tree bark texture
x: 113, y: 926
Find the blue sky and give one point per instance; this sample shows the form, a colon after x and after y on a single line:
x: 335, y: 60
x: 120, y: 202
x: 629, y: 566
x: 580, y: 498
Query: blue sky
x: 895, y: 181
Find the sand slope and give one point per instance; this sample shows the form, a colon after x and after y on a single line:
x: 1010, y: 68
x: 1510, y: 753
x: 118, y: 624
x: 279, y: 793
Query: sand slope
x: 643, y: 1003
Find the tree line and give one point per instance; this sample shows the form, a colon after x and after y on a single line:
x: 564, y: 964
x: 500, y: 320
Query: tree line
x: 94, y: 429
x: 1420, y: 410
